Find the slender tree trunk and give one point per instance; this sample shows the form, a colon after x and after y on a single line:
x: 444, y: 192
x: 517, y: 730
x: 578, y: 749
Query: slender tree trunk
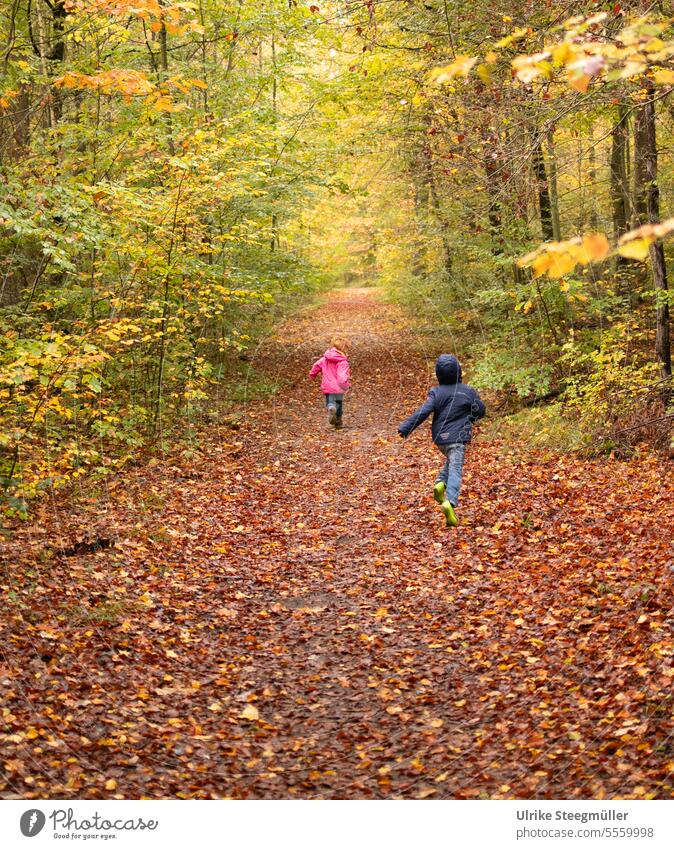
x: 491, y: 168
x: 57, y: 54
x: 442, y: 223
x: 436, y: 206
x: 275, y: 242
x: 647, y: 206
x: 619, y: 182
x: 592, y: 180
x: 544, y: 202
x: 163, y: 65
x: 618, y: 168
x: 420, y: 210
x: 554, y: 192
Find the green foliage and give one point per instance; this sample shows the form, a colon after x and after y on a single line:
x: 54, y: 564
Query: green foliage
x: 605, y: 384
x: 145, y: 242
x: 513, y: 372
x: 548, y: 427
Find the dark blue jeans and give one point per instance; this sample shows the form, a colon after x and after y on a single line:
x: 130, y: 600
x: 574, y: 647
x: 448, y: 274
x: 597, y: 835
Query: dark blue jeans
x: 335, y: 399
x: 452, y: 472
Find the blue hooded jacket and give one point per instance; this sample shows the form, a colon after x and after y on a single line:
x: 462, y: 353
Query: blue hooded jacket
x: 455, y: 406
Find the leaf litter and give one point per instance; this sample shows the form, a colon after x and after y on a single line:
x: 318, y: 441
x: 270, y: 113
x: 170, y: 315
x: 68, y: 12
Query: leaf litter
x: 291, y: 619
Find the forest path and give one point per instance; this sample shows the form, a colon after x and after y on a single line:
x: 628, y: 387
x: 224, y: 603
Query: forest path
x: 286, y: 615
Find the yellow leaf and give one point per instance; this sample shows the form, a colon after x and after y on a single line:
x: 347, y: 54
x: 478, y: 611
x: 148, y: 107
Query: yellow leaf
x: 622, y: 732
x: 460, y: 67
x: 562, y: 53
x: 664, y: 77
x: 484, y: 73
x: 250, y: 712
x: 596, y: 246
x: 111, y: 784
x: 514, y: 36
x: 164, y: 104
x: 560, y: 264
x: 527, y: 68
x: 541, y: 264
x: 580, y: 82
x: 635, y: 249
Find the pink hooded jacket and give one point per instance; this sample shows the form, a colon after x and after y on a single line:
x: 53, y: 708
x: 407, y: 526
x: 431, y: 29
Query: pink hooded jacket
x: 335, y: 372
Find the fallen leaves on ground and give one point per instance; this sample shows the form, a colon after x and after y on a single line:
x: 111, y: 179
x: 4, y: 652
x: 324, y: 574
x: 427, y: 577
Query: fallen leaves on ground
x: 293, y: 620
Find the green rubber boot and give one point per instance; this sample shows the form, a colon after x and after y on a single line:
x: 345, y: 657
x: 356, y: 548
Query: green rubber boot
x: 439, y: 491
x: 450, y: 516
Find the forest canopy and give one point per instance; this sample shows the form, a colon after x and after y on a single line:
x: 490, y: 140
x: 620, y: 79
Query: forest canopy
x: 175, y: 176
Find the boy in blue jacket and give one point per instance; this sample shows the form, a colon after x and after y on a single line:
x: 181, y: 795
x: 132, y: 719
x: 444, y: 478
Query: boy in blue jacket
x: 455, y: 406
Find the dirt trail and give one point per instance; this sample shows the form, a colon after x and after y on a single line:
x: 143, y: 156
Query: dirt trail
x: 286, y: 616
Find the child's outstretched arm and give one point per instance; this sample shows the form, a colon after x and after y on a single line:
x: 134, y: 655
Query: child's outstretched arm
x: 478, y: 410
x: 317, y: 367
x: 419, y: 416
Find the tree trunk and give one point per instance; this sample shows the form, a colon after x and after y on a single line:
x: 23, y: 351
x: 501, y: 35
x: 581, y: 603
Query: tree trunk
x: 618, y: 169
x: 544, y: 202
x: 491, y: 168
x: 647, y: 207
x: 163, y: 64
x: 436, y: 207
x: 554, y: 193
x: 592, y: 180
x: 419, y: 250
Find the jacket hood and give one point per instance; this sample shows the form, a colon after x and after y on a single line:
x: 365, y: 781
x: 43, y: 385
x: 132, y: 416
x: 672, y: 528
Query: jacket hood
x: 448, y: 369
x: 334, y: 355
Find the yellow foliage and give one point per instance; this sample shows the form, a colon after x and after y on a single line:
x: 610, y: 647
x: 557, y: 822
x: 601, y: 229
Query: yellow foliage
x: 558, y: 258
x: 460, y: 67
x: 585, y: 54
x: 636, y: 243
x: 527, y: 68
x: 7, y: 97
x: 664, y: 77
x: 635, y: 249
x: 122, y: 81
x: 147, y: 10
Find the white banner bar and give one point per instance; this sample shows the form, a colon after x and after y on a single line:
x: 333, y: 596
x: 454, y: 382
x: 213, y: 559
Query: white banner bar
x: 336, y: 824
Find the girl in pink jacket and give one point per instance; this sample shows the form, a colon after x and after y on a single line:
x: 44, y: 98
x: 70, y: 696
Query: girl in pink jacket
x: 335, y: 379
